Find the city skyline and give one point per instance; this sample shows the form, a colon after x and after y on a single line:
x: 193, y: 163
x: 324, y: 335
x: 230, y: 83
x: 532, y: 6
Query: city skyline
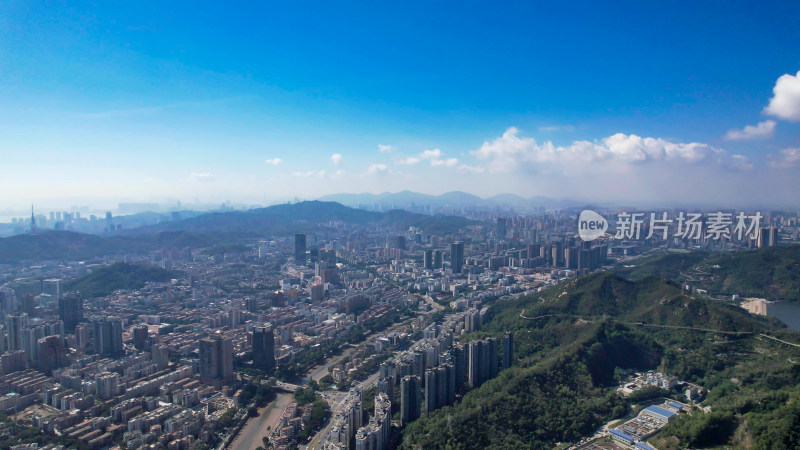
x: 265, y: 104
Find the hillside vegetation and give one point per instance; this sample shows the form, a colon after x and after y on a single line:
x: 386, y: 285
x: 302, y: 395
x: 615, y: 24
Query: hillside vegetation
x: 772, y: 272
x: 560, y: 387
x: 106, y: 280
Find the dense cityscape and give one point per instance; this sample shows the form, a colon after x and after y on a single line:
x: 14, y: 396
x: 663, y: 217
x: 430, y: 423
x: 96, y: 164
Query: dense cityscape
x: 316, y: 225
x: 336, y: 339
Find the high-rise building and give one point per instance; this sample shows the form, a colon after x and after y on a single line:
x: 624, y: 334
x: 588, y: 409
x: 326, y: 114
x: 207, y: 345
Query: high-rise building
x: 107, y: 384
x: 768, y: 237
x: 52, y: 354
x: 264, y: 348
x: 502, y: 223
x: 140, y: 336
x: 317, y: 292
x: 432, y: 392
x: 427, y: 259
x: 476, y: 363
x: 457, y: 256
x: 300, y: 249
x: 450, y: 383
x: 160, y: 356
x: 52, y: 287
x: 399, y: 242
x: 82, y: 339
x: 409, y: 399
x: 28, y: 304
x: 216, y: 360
x: 14, y: 326
x: 8, y: 301
x: 13, y: 361
x: 481, y: 361
x: 437, y: 259
x: 459, y: 353
x: 491, y: 358
x: 508, y: 350
x: 108, y: 336
x: 70, y: 311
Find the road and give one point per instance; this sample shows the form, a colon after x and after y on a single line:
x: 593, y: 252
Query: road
x: 319, y: 372
x: 335, y: 399
x: 256, y: 428
x: 672, y: 327
x: 250, y: 436
x: 779, y: 340
x: 433, y: 303
x: 652, y: 325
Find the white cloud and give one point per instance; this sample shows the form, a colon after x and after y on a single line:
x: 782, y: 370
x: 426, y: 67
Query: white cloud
x: 310, y: 173
x: 336, y: 158
x: 273, y: 161
x: 762, y: 130
x: 450, y: 162
x: 435, y: 158
x: 431, y: 154
x: 384, y: 148
x: 789, y: 157
x: 785, y: 104
x: 510, y: 153
x: 377, y: 168
x: 410, y: 161
x: 201, y: 176
x: 470, y: 169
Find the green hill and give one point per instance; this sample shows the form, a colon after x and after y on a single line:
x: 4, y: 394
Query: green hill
x: 226, y: 230
x: 304, y: 217
x: 106, y: 280
x: 538, y: 403
x: 585, y: 331
x: 772, y: 272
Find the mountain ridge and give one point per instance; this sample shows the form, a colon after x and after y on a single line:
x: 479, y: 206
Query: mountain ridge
x: 213, y: 228
x: 457, y: 199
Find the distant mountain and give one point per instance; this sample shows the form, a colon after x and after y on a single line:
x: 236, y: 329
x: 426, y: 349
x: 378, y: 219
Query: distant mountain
x: 301, y: 217
x: 213, y: 229
x: 106, y: 280
x: 511, y: 200
x: 455, y: 199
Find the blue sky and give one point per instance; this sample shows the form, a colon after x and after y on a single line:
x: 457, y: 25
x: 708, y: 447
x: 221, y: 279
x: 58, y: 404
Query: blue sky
x: 102, y: 102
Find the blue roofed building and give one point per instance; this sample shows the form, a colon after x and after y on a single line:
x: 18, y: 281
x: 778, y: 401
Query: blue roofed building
x: 677, y: 406
x: 659, y: 413
x: 621, y: 437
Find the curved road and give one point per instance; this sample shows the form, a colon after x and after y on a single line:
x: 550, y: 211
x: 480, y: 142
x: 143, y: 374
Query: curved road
x: 674, y: 327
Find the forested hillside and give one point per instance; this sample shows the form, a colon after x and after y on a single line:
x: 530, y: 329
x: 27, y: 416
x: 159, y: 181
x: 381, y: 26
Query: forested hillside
x: 573, y: 339
x: 106, y: 280
x: 772, y: 272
